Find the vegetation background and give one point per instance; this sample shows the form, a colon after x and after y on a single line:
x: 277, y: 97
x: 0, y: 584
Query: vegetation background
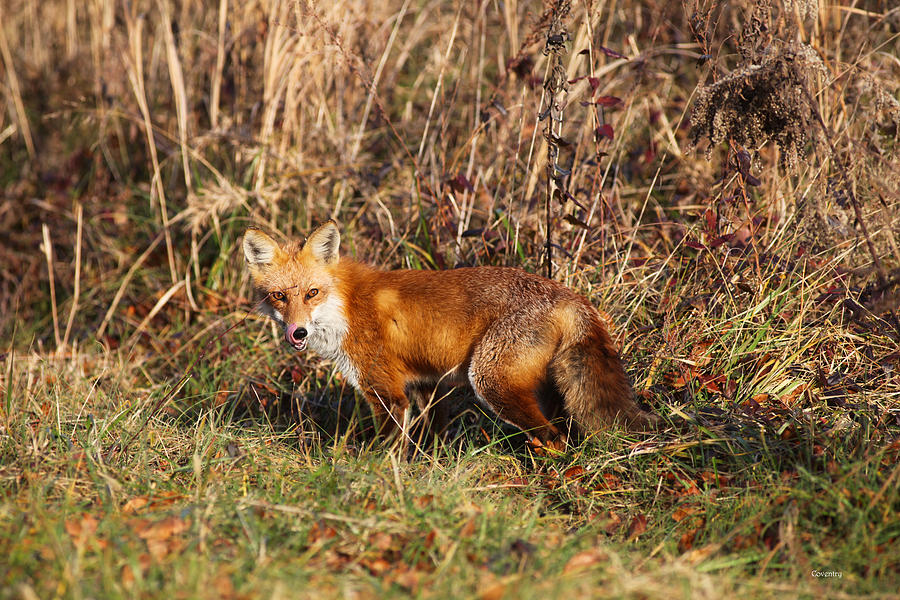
x: 722, y: 178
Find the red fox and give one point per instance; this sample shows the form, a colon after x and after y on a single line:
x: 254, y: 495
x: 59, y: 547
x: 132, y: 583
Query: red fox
x: 533, y: 351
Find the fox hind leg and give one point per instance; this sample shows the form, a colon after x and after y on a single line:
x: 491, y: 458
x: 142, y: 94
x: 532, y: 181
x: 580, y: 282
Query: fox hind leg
x: 509, y: 380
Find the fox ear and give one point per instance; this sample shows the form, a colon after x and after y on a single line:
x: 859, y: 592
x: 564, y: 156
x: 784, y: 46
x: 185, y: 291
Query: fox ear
x: 259, y: 249
x: 323, y: 242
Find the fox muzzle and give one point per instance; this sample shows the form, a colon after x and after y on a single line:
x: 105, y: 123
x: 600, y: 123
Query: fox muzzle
x: 295, y: 336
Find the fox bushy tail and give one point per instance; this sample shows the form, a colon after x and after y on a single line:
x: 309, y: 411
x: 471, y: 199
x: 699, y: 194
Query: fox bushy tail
x: 595, y: 390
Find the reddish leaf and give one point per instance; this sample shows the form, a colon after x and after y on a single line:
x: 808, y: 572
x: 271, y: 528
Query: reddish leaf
x: 607, y: 100
x: 585, y: 560
x: 81, y: 528
x: 160, y: 530
x: 573, y: 220
x: 611, y: 53
x: 716, y: 242
x: 593, y: 81
x: 692, y: 243
x: 135, y: 504
x: 575, y: 472
x: 637, y: 527
x: 460, y: 183
x: 711, y: 222
x: 682, y: 512
x: 423, y: 501
x: 687, y: 541
x: 321, y: 531
x: 494, y: 591
x: 429, y: 539
x: 467, y: 529
x: 612, y: 525
x: 713, y: 478
x: 605, y: 130
x: 610, y: 482
x: 376, y: 566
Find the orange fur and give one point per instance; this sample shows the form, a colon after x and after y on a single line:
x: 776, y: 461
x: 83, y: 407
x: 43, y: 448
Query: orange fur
x: 534, y: 351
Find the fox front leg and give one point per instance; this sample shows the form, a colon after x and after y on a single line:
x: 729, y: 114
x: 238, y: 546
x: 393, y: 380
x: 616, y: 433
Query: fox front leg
x: 391, y: 413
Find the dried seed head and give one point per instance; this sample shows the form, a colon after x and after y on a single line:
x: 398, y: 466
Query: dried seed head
x: 758, y: 103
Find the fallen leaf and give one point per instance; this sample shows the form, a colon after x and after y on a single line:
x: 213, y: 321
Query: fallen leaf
x: 468, y: 528
x: 682, y: 513
x: 637, y: 527
x: 377, y: 566
x: 381, y: 541
x: 321, y: 531
x: 429, y: 539
x: 575, y: 472
x: 687, y: 541
x: 586, y: 559
x: 128, y: 574
x: 700, y: 554
x: 135, y: 504
x: 408, y: 579
x: 608, y: 100
x: 423, y: 501
x: 161, y: 530
x: 613, y: 523
x: 81, y: 527
x: 497, y: 590
x: 223, y: 586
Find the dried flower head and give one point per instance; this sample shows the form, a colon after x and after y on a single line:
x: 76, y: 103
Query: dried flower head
x: 758, y: 103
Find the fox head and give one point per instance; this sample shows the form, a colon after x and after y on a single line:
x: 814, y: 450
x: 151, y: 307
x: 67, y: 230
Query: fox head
x: 299, y: 286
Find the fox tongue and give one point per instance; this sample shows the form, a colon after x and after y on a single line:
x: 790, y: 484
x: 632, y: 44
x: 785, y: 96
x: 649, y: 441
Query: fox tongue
x: 295, y: 336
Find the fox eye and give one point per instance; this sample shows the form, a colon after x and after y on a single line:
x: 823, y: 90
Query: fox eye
x: 311, y: 293
x: 277, y: 296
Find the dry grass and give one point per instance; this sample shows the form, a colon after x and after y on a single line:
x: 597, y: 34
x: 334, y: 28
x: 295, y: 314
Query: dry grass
x: 754, y: 284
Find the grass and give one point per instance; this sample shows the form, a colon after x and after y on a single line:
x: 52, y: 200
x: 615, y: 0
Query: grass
x: 217, y: 505
x: 157, y: 441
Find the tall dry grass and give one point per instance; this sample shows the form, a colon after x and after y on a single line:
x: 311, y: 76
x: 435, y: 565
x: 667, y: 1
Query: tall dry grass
x: 419, y: 126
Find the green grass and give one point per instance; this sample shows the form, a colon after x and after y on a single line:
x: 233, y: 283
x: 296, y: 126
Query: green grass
x: 100, y: 501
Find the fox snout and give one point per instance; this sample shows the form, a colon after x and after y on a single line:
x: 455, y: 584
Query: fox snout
x: 296, y: 336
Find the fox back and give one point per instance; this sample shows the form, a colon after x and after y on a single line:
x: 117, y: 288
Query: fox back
x: 535, y: 352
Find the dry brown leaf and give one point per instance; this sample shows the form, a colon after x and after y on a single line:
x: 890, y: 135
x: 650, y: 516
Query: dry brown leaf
x: 586, y: 559
x: 223, y: 586
x: 682, y: 512
x: 423, y: 501
x: 574, y: 472
x: 697, y: 556
x: 468, y: 529
x: 637, y: 527
x: 409, y: 579
x: 377, y: 566
x: 128, y: 575
x: 496, y: 590
x: 161, y: 530
x: 80, y: 528
x: 134, y: 504
x: 687, y: 541
x: 613, y: 524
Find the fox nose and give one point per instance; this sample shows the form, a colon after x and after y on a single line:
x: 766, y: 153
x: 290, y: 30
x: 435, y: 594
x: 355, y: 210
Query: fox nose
x: 295, y: 334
